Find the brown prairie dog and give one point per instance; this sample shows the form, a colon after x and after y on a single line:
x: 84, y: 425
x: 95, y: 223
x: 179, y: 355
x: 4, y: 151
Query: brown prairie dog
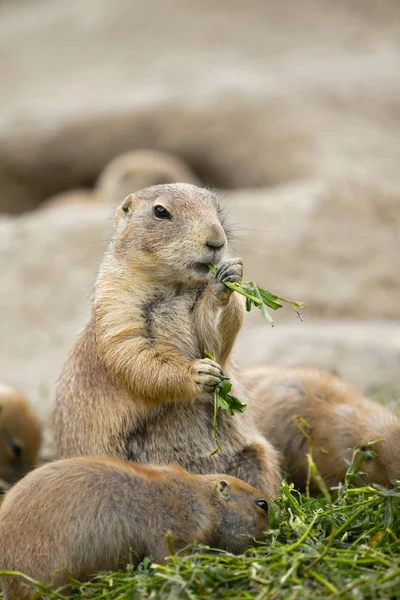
x: 137, y: 385
x: 85, y: 515
x: 127, y: 173
x: 339, y: 419
x: 20, y: 436
x: 140, y: 169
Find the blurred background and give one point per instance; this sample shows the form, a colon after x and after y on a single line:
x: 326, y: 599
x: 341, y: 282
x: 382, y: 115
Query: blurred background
x: 290, y: 109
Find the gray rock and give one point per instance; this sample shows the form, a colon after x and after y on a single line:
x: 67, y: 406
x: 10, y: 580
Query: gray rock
x: 365, y: 353
x: 333, y: 244
x: 249, y: 97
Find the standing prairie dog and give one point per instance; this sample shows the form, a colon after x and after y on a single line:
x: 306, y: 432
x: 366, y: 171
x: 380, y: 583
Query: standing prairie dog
x: 337, y: 417
x: 127, y: 173
x: 20, y: 436
x: 137, y: 385
x: 85, y: 515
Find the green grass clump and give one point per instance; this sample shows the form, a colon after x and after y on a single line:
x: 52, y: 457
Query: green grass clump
x: 347, y: 547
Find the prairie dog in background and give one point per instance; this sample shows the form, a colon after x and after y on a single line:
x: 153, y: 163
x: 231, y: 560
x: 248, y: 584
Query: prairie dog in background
x: 339, y: 419
x: 20, y: 436
x: 125, y: 174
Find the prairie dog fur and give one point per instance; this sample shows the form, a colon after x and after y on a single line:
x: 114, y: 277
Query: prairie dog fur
x: 136, y: 385
x: 140, y: 169
x: 124, y: 174
x: 339, y: 419
x: 85, y: 515
x: 20, y: 436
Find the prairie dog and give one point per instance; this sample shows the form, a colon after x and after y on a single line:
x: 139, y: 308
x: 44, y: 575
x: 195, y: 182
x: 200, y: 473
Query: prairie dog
x: 136, y: 385
x: 20, y: 436
x: 339, y: 419
x: 85, y: 515
x: 140, y: 169
x: 127, y: 173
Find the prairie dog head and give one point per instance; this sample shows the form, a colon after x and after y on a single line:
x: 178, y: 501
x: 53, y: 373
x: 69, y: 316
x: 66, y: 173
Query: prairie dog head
x: 20, y: 435
x: 140, y: 169
x: 241, y: 510
x: 384, y: 468
x: 172, y: 232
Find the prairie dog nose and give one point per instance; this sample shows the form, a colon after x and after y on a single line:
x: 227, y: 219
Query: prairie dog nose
x: 216, y: 238
x: 215, y: 244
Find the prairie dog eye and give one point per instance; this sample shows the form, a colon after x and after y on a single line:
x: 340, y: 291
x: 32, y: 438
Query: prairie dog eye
x: 161, y: 213
x: 263, y: 504
x: 369, y: 455
x: 15, y: 448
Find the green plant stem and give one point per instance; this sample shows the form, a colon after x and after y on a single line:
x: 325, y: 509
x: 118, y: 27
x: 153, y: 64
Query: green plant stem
x: 259, y: 297
x: 215, y: 426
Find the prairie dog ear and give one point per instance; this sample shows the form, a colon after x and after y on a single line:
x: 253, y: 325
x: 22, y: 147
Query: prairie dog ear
x: 128, y: 205
x: 224, y: 488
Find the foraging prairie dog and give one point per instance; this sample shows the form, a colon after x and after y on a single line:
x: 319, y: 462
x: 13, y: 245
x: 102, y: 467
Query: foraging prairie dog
x: 85, y: 515
x: 127, y: 173
x: 20, y: 436
x: 137, y: 385
x: 337, y: 417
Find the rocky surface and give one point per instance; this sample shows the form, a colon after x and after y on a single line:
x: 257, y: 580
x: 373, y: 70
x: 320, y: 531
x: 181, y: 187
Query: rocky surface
x: 334, y: 244
x: 249, y: 97
x: 365, y: 353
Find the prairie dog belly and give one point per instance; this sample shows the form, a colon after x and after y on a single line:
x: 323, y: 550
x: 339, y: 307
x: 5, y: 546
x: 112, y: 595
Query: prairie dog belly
x: 183, y: 434
x: 169, y: 323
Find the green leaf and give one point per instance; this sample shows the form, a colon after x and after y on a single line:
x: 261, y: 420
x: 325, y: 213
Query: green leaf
x: 209, y: 355
x: 223, y: 400
x: 259, y: 297
x: 234, y: 404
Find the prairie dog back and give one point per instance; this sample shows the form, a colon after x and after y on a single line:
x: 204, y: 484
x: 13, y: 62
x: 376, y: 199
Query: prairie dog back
x: 337, y: 418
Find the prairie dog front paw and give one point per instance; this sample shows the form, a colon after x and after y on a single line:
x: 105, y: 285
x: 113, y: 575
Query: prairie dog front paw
x: 206, y: 373
x: 230, y: 271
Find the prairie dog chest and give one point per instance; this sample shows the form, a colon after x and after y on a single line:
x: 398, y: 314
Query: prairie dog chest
x: 177, y: 319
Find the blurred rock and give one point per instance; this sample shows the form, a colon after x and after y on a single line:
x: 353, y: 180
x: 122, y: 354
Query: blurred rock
x: 48, y: 264
x: 247, y: 96
x: 365, y: 353
x: 333, y: 245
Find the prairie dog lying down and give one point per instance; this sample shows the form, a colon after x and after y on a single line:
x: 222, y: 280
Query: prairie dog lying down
x: 338, y: 419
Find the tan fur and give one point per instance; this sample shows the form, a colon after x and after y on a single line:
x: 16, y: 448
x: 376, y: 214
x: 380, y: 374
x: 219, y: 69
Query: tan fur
x: 20, y: 436
x: 140, y: 169
x: 127, y: 173
x: 85, y: 515
x: 136, y: 385
x: 339, y: 420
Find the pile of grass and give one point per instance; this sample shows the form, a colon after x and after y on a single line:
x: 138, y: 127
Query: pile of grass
x: 346, y: 546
